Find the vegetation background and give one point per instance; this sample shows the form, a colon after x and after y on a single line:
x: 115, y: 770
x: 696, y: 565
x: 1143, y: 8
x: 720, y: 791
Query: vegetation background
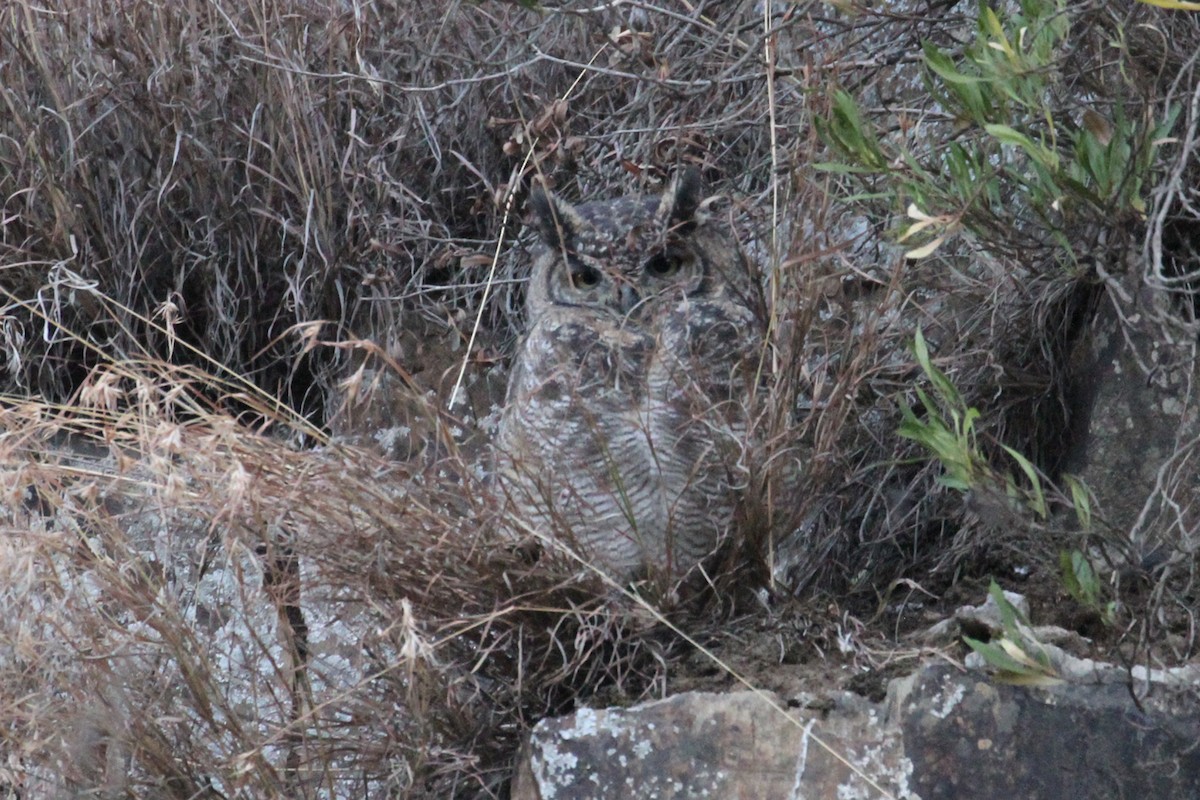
x: 261, y: 268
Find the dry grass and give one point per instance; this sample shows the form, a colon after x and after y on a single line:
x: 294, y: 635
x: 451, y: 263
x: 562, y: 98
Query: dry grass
x: 198, y: 607
x: 214, y: 212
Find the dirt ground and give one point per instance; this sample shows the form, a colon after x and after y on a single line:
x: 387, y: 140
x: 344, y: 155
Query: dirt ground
x: 805, y: 650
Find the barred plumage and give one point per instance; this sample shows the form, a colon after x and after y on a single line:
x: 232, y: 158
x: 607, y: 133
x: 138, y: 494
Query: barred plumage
x: 624, y: 422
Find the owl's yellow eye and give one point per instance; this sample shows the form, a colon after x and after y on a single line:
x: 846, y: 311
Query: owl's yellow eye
x: 584, y: 277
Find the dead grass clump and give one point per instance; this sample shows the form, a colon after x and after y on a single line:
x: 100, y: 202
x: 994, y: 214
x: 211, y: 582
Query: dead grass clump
x: 200, y: 610
x: 254, y: 182
x: 212, y: 211
x: 232, y: 172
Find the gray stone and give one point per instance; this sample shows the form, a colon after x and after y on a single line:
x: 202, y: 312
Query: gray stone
x: 738, y: 745
x: 967, y: 737
x: 942, y: 733
x: 1134, y: 414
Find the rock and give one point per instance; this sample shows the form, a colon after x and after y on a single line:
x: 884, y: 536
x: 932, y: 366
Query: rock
x: 738, y: 745
x: 967, y: 737
x: 942, y: 733
x: 985, y: 619
x: 1132, y: 377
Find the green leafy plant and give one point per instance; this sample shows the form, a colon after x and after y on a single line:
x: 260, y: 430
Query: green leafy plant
x: 1079, y: 579
x: 1012, y: 163
x: 1081, y: 500
x: 1016, y: 656
x: 1078, y: 575
x: 948, y: 431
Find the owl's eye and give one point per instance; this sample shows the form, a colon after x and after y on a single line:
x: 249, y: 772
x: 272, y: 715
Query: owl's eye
x: 584, y: 277
x: 665, y: 264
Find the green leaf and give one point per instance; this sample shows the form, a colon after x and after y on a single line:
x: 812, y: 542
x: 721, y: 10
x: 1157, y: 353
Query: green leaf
x: 1010, y: 615
x: 941, y: 64
x: 921, y: 349
x: 1039, y: 498
x: 1174, y: 5
x: 846, y: 169
x: 1085, y: 576
x: 1164, y: 128
x: 847, y: 127
x: 1037, y: 152
x: 1070, y: 580
x: 990, y: 22
x: 1081, y: 500
x: 995, y: 655
x: 1015, y: 663
x: 956, y: 483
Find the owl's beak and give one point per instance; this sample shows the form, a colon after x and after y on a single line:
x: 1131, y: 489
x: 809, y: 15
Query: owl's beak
x: 627, y: 298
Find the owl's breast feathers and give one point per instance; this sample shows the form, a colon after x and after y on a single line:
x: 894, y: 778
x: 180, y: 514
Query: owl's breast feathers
x: 569, y: 361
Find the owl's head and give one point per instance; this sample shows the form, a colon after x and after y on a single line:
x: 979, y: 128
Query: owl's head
x: 618, y: 254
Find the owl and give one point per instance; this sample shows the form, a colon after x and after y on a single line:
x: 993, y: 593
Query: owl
x: 624, y: 429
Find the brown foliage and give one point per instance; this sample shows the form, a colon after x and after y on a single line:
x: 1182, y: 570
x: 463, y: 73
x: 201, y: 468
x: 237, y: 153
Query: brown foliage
x: 214, y: 211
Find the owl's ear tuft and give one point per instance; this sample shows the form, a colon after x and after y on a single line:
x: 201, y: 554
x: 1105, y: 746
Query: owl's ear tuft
x: 681, y: 199
x: 556, y: 221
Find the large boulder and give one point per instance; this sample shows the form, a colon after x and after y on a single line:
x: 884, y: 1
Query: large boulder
x: 1135, y: 422
x: 941, y: 733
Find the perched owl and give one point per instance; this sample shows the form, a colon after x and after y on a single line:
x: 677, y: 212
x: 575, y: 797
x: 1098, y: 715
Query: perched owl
x: 624, y: 426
